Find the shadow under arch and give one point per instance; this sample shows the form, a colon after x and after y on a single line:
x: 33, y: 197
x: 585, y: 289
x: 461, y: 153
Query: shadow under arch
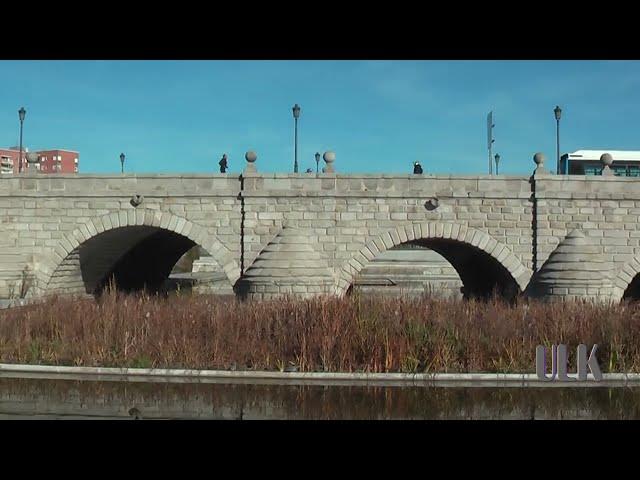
x: 135, y: 246
x: 483, y: 264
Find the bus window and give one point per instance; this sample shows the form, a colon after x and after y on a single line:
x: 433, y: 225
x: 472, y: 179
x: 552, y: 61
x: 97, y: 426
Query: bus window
x: 576, y: 168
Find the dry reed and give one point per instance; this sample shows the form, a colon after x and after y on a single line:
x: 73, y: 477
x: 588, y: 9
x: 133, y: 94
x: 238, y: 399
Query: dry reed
x: 325, y: 334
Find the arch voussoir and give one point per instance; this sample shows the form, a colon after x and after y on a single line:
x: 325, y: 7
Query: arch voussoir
x: 625, y: 276
x: 98, y: 224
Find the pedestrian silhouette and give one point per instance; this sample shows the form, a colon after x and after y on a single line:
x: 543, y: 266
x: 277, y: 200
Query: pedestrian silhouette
x: 417, y: 168
x: 223, y: 163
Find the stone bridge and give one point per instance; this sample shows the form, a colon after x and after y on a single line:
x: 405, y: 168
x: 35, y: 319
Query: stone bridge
x: 305, y: 234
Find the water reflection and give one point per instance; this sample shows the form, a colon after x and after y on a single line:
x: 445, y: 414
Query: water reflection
x: 31, y: 398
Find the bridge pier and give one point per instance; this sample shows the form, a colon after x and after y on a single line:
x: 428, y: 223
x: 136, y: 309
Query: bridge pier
x: 288, y: 266
x: 574, y: 271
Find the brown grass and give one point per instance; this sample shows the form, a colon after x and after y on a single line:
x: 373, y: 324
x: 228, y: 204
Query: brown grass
x: 325, y: 334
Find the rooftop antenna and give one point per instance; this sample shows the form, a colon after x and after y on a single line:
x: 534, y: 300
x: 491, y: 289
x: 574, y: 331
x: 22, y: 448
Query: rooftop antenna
x: 490, y: 139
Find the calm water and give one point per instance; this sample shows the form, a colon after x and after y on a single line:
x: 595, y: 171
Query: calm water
x: 72, y: 399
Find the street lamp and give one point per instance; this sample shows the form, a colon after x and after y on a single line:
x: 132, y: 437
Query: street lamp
x: 557, y: 112
x: 21, y: 113
x: 296, y: 115
x: 317, y: 161
x: 122, y: 162
x: 497, y: 158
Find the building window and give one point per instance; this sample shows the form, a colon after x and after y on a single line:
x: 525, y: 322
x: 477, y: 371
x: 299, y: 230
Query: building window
x: 6, y: 165
x: 75, y: 161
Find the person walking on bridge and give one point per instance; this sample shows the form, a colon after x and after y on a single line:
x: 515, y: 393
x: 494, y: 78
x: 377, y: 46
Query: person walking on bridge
x: 223, y: 163
x: 417, y: 168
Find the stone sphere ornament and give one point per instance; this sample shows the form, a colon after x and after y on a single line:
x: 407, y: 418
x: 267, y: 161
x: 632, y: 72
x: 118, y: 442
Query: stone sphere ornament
x: 606, y: 159
x: 539, y: 159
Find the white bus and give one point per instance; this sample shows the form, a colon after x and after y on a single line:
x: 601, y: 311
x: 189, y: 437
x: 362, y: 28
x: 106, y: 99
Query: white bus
x: 587, y: 162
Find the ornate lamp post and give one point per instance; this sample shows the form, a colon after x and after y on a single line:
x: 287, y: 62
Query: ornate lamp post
x: 497, y: 158
x: 21, y: 114
x: 557, y: 112
x: 296, y: 115
x: 317, y: 161
x: 122, y: 162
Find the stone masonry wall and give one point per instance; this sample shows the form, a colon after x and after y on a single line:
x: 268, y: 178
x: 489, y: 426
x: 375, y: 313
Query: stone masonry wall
x: 44, y: 219
x: 348, y: 217
x: 607, y: 209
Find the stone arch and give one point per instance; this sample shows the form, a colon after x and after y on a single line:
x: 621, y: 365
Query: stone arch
x: 433, y: 230
x: 624, y: 278
x: 48, y: 263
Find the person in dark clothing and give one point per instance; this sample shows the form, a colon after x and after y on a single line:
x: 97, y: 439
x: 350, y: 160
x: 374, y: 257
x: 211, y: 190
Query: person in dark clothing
x: 417, y: 168
x: 223, y: 163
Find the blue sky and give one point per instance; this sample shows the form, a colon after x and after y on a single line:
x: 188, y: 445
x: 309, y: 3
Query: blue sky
x: 378, y: 116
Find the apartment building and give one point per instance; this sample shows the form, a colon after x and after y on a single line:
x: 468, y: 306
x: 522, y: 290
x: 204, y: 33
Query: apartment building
x: 58, y: 161
x: 48, y: 161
